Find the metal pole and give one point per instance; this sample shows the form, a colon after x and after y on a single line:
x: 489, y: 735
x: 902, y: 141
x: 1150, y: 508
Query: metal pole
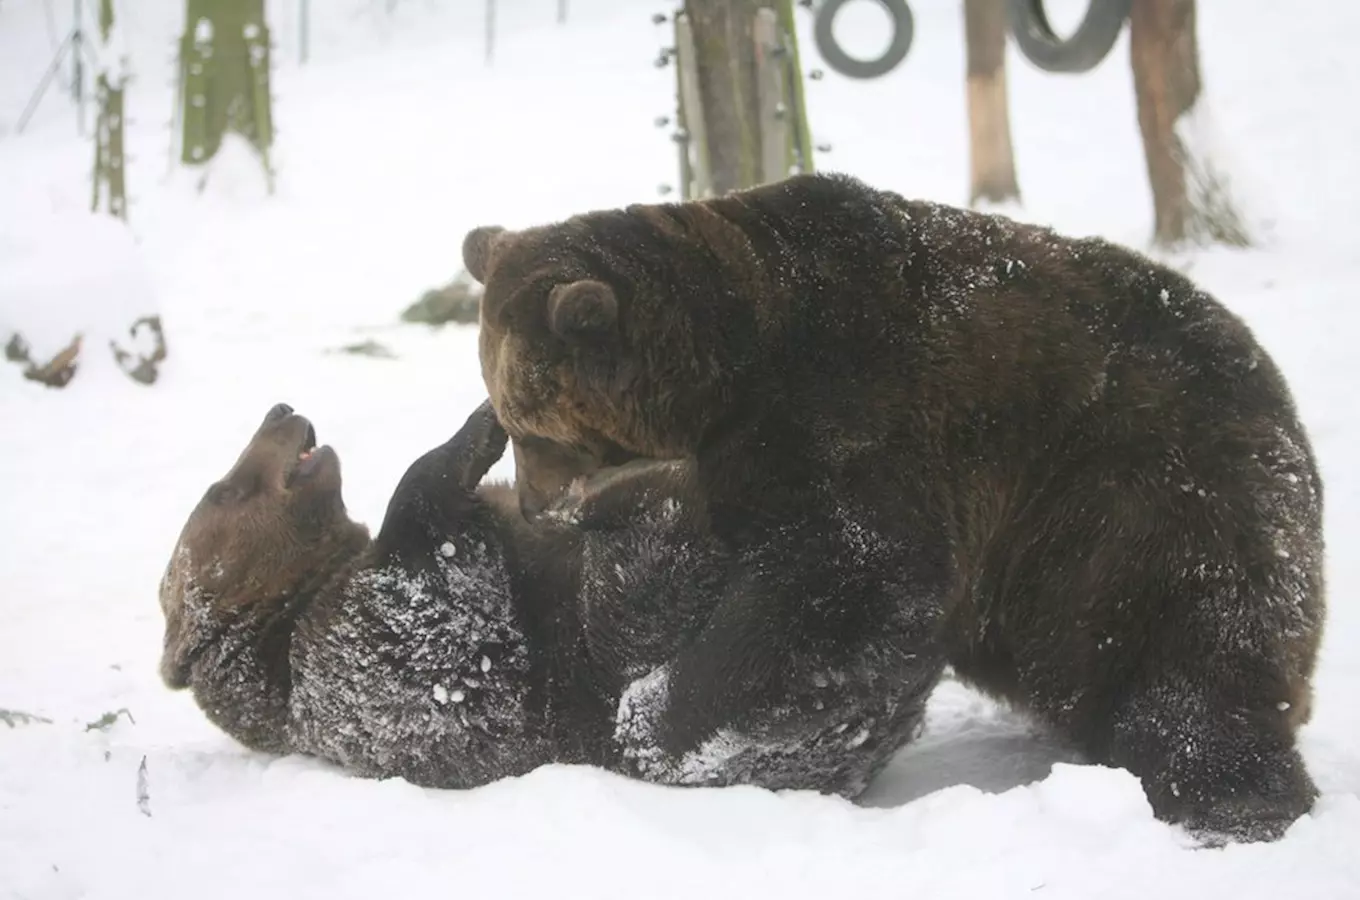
x: 303, y: 6
x: 78, y: 69
x: 490, y: 28
x: 42, y: 85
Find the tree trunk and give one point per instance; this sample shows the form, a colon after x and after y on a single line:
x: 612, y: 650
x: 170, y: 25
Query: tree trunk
x: 989, y: 124
x: 724, y: 46
x: 1191, y: 201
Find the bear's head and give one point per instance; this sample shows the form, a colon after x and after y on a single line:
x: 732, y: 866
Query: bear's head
x: 599, y: 339
x: 273, y: 525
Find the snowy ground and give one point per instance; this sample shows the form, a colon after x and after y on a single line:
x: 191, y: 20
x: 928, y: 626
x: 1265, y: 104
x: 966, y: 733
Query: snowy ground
x: 395, y: 139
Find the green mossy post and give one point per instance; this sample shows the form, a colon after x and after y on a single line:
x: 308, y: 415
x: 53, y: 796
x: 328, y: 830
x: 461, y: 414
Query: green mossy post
x: 109, y: 173
x: 224, y: 79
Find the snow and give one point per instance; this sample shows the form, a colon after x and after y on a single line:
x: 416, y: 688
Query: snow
x: 47, y: 299
x: 236, y: 173
x: 394, y: 140
x: 111, y: 55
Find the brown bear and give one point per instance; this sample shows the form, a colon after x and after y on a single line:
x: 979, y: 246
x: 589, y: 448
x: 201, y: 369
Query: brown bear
x: 461, y: 645
x: 925, y: 434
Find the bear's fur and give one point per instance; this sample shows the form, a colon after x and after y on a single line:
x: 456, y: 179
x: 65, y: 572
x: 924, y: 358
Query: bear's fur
x: 460, y: 645
x: 928, y: 433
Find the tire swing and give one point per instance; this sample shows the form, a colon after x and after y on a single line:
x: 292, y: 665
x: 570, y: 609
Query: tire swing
x: 903, y: 29
x: 1081, y: 52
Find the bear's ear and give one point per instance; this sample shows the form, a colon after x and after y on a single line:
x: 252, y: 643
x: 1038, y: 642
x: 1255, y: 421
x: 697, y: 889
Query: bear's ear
x: 582, y: 309
x: 478, y: 246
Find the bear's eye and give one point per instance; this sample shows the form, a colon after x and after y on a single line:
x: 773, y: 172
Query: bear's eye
x: 520, y: 309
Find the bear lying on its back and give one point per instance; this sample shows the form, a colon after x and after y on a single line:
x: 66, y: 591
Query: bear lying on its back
x: 928, y: 433
x: 460, y: 645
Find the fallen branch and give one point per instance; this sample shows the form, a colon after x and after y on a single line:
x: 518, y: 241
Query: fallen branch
x: 57, y: 372
x: 108, y: 719
x: 14, y: 718
x: 143, y: 790
x: 146, y: 368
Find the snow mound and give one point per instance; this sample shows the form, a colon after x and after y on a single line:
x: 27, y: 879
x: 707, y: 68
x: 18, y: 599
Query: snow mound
x: 63, y: 274
x: 235, y: 176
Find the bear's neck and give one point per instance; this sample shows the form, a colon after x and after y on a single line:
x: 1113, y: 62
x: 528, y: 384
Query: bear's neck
x: 243, y: 677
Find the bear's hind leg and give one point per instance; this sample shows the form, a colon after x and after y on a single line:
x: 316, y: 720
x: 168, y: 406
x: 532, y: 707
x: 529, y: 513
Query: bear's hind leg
x: 1165, y: 615
x: 1207, y: 711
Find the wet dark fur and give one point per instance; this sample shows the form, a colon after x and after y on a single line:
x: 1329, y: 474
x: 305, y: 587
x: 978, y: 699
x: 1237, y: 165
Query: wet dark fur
x: 930, y: 434
x: 297, y: 633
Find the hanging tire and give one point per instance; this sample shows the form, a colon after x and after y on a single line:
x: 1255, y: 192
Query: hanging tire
x: 1081, y: 52
x: 903, y: 30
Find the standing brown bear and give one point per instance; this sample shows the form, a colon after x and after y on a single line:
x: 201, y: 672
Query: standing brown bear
x: 930, y: 434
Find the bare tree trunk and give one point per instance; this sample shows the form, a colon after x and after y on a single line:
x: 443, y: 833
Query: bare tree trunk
x: 1191, y: 201
x: 989, y: 124
x: 724, y: 45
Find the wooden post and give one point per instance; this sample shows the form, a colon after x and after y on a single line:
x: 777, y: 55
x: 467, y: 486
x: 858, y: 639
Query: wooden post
x: 696, y: 176
x: 989, y: 126
x: 724, y: 54
x: 771, y: 97
x: 743, y: 57
x: 1191, y: 201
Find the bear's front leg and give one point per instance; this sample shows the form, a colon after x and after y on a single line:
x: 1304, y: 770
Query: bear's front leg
x: 823, y: 647
x: 435, y: 495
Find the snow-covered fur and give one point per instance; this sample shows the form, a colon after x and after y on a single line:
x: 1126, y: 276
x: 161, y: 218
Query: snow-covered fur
x: 462, y: 645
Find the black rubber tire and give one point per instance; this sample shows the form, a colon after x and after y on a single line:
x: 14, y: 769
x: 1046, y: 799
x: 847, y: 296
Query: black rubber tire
x: 904, y: 28
x: 1083, y: 51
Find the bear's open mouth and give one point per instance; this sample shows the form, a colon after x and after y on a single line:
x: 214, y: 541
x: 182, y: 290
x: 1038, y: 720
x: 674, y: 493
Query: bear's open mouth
x: 310, y: 458
x: 308, y: 444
